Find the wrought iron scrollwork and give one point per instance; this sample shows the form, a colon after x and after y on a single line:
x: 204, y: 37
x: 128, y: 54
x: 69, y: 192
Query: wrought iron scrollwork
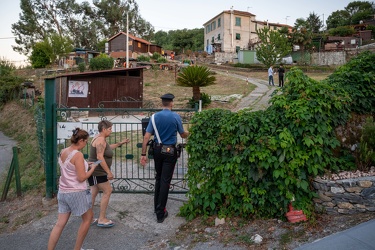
x: 124, y: 99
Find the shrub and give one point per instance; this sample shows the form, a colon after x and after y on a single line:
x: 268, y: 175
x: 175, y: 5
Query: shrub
x: 156, y: 56
x: 101, y: 62
x: 357, y: 79
x: 161, y: 60
x: 10, y: 85
x: 10, y: 88
x: 6, y: 68
x: 206, y: 100
x: 81, y: 67
x: 342, y: 31
x: 143, y: 58
x: 367, y: 145
x: 372, y: 28
x: 40, y: 56
x: 255, y: 163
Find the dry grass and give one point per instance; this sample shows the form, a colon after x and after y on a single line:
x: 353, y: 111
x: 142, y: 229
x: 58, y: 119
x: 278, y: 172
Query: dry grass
x: 158, y: 82
x: 264, y: 75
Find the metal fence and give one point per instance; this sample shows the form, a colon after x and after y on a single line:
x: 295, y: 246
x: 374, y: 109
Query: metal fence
x: 129, y: 175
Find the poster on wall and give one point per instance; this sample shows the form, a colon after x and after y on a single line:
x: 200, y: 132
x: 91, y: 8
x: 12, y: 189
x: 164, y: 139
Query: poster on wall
x: 65, y: 129
x: 78, y: 88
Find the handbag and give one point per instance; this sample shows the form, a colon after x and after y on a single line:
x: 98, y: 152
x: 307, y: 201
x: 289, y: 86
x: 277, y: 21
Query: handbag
x: 165, y: 149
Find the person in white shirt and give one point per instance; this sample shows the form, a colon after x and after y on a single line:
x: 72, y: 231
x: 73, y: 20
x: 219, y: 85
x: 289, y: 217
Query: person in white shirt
x: 270, y: 75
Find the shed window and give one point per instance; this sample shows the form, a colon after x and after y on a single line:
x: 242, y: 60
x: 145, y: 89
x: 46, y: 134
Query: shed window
x: 139, y: 45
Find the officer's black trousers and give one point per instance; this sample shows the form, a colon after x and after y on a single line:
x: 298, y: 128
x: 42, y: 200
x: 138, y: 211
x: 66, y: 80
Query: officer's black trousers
x: 164, y: 167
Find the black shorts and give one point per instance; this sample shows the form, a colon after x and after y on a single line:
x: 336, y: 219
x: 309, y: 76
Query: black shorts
x: 93, y: 180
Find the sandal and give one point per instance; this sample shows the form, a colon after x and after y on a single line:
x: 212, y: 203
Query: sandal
x: 94, y: 221
x: 107, y: 224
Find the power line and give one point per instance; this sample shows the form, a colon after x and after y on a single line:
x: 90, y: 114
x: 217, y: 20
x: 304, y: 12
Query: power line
x: 10, y: 37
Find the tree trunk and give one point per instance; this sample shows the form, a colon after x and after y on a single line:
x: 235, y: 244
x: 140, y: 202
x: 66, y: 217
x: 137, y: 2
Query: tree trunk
x: 196, y: 93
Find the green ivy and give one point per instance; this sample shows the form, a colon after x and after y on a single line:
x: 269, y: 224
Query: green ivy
x: 255, y: 163
x: 357, y: 78
x: 366, y: 157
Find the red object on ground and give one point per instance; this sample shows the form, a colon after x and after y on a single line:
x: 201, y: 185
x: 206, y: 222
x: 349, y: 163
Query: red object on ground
x: 294, y: 216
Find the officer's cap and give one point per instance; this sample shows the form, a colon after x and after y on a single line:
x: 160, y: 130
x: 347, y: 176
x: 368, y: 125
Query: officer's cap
x: 167, y: 96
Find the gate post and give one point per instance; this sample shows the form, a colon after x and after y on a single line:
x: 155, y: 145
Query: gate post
x: 50, y: 158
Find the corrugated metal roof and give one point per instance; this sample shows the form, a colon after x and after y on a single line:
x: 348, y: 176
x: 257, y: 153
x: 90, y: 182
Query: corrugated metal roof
x: 99, y: 72
x: 130, y: 36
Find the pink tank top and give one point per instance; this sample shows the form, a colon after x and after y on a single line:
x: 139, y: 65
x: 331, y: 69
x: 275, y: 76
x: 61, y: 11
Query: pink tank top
x: 68, y: 179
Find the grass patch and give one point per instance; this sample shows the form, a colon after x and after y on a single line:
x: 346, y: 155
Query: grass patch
x: 30, y: 165
x: 246, y: 239
x: 23, y: 219
x: 4, y: 219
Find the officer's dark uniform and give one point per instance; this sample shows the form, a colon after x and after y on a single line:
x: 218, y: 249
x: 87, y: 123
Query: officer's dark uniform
x: 168, y: 124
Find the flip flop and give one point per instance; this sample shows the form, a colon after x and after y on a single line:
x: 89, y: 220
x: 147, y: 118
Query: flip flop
x: 107, y: 224
x: 94, y: 221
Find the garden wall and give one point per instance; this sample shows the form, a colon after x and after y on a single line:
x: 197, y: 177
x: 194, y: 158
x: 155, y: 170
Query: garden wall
x: 347, y: 196
x: 328, y: 58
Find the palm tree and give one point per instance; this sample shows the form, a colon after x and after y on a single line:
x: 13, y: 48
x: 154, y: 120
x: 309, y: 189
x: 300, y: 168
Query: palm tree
x: 195, y: 77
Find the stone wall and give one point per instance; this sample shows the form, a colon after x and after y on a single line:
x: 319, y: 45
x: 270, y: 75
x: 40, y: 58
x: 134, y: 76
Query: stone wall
x: 223, y: 57
x: 328, y: 58
x: 346, y: 196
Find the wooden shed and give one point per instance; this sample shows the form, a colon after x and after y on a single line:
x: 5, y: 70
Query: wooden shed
x: 116, y: 88
x: 117, y: 46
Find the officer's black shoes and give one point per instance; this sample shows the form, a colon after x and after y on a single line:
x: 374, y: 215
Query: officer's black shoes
x: 162, y: 218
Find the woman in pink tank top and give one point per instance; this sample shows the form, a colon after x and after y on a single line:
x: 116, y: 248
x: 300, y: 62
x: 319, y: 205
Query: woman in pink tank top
x: 73, y: 196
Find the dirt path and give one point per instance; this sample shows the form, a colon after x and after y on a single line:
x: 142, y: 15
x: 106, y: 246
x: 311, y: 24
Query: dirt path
x: 258, y: 99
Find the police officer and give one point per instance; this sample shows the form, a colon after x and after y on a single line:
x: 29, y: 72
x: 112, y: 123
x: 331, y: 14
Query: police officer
x: 167, y: 123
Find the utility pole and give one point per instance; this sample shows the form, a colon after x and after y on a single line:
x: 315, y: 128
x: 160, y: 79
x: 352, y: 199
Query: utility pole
x: 127, y: 39
x: 231, y: 27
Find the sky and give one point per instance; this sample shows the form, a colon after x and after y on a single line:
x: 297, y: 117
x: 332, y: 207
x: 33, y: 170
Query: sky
x: 177, y: 14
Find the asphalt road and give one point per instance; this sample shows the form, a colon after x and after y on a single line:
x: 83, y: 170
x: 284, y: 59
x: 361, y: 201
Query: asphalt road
x: 6, y: 151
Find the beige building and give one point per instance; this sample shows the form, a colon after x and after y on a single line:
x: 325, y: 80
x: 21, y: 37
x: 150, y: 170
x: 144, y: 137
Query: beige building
x: 233, y: 30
